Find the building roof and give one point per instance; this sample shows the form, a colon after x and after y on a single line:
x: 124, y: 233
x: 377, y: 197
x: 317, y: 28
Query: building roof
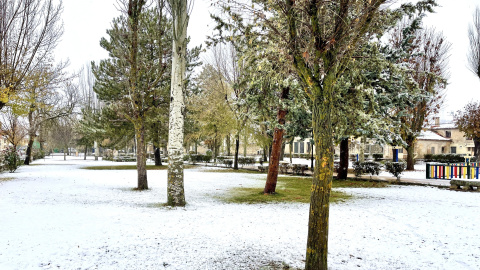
x: 445, y: 126
x: 428, y: 135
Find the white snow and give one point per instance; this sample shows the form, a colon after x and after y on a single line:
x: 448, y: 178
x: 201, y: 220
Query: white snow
x: 428, y: 135
x: 58, y: 216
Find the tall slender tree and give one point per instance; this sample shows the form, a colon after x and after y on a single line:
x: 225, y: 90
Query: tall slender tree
x: 425, y: 52
x: 319, y: 37
x: 180, y: 15
x: 132, y: 80
x: 474, y: 38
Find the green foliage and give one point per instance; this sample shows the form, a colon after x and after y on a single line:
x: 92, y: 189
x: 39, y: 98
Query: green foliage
x: 444, y: 158
x: 38, y: 154
x: 246, y: 161
x: 296, y: 190
x: 368, y: 167
x: 395, y: 168
x: 10, y: 158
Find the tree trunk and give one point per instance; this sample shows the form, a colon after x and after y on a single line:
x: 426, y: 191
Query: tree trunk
x: 85, y: 156
x: 215, y: 148
x: 237, y: 146
x: 311, y: 160
x: 175, y: 189
x: 410, y: 155
x: 97, y: 151
x: 142, y: 182
x: 343, y: 168
x: 476, y: 150
x: 65, y: 153
x: 31, y: 135
x: 228, y: 144
x: 158, y: 157
x: 317, y: 241
x: 282, y: 153
x: 272, y: 176
x: 361, y: 157
x: 245, y: 144
x: 28, y: 153
x: 291, y: 151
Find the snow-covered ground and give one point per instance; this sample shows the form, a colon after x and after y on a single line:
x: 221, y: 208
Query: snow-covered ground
x: 58, y: 216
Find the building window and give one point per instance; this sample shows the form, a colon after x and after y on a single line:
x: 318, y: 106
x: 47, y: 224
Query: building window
x: 400, y: 150
x: 443, y: 149
x: 295, y: 147
x: 448, y: 134
x: 432, y: 151
x: 309, y: 147
x: 302, y: 147
x: 453, y: 150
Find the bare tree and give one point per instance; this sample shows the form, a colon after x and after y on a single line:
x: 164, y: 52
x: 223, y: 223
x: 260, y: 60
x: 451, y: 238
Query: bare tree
x: 49, y: 96
x: 474, y: 37
x: 427, y: 56
x: 12, y: 127
x: 180, y: 14
x: 29, y: 31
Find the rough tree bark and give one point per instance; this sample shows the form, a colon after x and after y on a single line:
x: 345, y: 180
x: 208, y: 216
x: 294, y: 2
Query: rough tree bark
x: 317, y: 241
x: 410, y: 154
x: 175, y: 190
x: 237, y: 147
x: 142, y: 182
x: 343, y: 168
x: 272, y: 176
x: 28, y: 153
x: 158, y: 157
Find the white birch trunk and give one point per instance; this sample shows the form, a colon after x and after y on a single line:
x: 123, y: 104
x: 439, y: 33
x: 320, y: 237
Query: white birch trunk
x: 175, y: 190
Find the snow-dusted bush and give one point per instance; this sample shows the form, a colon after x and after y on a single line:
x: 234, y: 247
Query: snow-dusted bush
x: 228, y: 162
x: 368, y: 167
x: 10, y: 158
x: 395, y: 168
x: 246, y: 161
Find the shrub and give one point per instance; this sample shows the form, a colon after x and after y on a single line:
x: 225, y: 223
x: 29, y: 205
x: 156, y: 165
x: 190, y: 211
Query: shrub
x: 444, y: 158
x: 206, y: 158
x: 10, y: 158
x: 228, y: 162
x: 395, y: 168
x: 38, y: 154
x: 368, y: 167
x: 246, y: 161
x: 194, y: 159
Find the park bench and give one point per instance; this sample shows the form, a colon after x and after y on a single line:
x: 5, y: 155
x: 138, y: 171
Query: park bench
x: 465, y: 184
x: 284, y: 166
x: 125, y: 158
x: 299, y: 168
x: 263, y: 168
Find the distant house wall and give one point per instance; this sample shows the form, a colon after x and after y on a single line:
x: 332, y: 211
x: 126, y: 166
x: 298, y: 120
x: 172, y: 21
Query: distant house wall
x: 460, y: 144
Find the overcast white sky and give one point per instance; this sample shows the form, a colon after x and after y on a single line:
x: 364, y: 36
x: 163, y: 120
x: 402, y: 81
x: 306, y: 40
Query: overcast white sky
x: 86, y: 21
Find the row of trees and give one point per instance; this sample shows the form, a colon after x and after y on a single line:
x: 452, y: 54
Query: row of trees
x: 278, y: 69
x: 36, y: 95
